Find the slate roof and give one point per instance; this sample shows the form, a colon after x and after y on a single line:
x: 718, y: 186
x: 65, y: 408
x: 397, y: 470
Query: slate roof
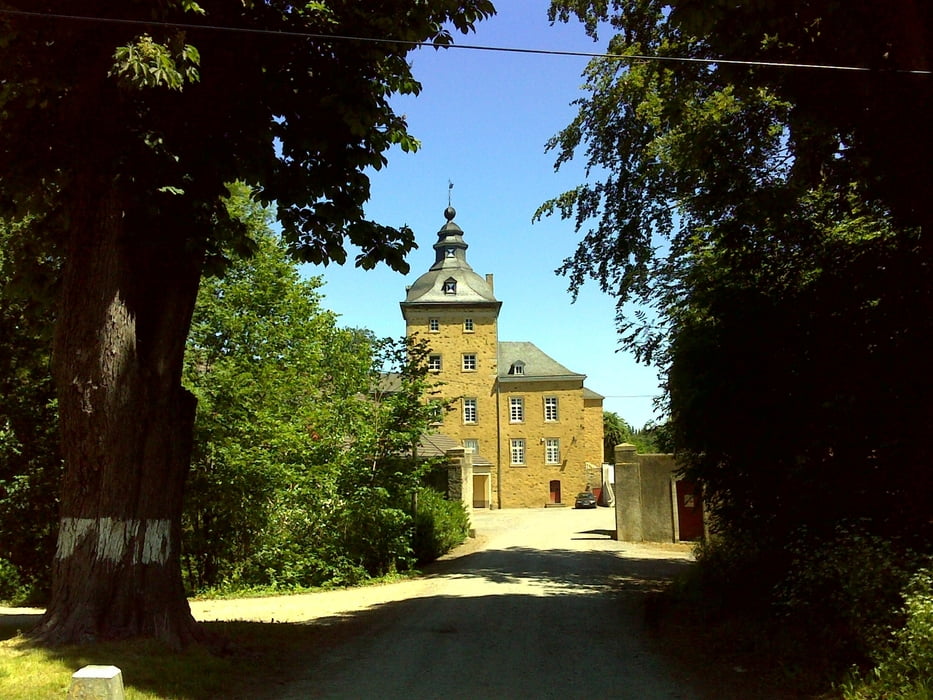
x: 437, y: 444
x: 450, y: 263
x: 538, y: 365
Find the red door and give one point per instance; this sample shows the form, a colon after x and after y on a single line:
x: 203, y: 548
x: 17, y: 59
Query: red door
x: 555, y: 491
x: 689, y: 510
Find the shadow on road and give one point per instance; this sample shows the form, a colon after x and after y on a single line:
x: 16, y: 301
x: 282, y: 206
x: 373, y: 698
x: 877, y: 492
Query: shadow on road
x: 603, y: 534
x: 596, y: 571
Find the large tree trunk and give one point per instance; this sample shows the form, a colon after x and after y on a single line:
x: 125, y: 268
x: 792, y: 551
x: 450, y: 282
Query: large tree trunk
x: 126, y: 427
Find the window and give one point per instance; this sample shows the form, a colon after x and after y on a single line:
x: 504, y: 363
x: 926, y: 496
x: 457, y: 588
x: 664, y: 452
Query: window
x: 516, y: 409
x: 517, y: 367
x: 468, y: 325
x: 469, y: 410
x: 552, y: 451
x: 434, y: 363
x: 450, y: 286
x: 449, y: 252
x: 434, y: 325
x: 469, y: 362
x: 473, y: 444
x: 550, y: 408
x: 437, y: 414
x: 518, y: 451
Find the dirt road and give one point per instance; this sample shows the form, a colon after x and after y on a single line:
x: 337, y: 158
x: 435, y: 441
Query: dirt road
x: 542, y: 604
x: 545, y: 605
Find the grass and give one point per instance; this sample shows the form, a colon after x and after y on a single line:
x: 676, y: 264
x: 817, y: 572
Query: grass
x: 255, y: 660
x: 272, y: 591
x: 248, y: 657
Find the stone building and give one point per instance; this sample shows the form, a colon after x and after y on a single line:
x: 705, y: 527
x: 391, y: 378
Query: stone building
x: 535, y: 431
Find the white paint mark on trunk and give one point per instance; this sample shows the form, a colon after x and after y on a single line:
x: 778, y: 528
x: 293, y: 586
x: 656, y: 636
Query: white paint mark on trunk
x: 115, y: 536
x: 156, y: 546
x: 70, y: 533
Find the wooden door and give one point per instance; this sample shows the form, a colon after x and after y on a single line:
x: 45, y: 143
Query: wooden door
x: 689, y: 510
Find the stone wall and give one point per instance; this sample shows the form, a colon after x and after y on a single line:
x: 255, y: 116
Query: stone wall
x: 645, y: 497
x: 528, y: 485
x: 451, y: 340
x: 460, y: 476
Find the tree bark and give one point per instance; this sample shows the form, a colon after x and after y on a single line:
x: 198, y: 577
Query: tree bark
x: 126, y: 429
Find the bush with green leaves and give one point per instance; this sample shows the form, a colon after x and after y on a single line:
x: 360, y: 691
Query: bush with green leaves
x: 904, y: 667
x: 303, y: 467
x: 440, y: 525
x: 844, y: 586
x: 11, y: 588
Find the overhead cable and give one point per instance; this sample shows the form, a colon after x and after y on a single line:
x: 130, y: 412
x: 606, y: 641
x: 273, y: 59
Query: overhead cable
x: 470, y: 47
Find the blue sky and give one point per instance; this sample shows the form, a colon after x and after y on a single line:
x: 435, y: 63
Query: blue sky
x: 483, y: 119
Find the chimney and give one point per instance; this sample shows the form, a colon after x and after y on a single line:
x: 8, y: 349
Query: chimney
x: 489, y: 280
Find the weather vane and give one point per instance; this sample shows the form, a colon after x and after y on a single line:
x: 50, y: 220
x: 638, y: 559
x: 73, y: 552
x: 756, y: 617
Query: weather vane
x: 450, y: 186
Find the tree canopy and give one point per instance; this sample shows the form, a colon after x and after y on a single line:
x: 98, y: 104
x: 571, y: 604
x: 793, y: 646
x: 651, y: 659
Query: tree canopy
x: 120, y: 129
x: 770, y: 220
x: 302, y: 473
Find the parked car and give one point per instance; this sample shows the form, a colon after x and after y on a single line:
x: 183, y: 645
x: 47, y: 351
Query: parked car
x: 585, y: 500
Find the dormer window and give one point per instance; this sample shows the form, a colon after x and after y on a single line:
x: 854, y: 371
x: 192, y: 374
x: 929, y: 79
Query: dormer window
x: 450, y: 286
x: 518, y: 368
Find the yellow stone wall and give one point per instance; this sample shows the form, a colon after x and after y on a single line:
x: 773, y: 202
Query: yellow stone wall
x: 579, y: 426
x: 451, y: 341
x: 593, y: 438
x: 529, y: 485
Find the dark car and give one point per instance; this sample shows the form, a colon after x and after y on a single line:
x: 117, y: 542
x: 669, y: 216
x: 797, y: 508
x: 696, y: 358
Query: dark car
x: 585, y: 500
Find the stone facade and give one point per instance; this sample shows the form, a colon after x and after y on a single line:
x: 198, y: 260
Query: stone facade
x: 653, y: 504
x: 536, y: 431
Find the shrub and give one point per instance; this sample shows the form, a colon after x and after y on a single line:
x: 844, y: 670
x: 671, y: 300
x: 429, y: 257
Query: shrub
x: 440, y: 525
x: 11, y: 587
x: 733, y: 575
x: 844, y: 588
x: 904, y: 667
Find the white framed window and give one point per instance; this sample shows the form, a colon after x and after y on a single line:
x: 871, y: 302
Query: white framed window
x: 469, y: 410
x: 516, y: 409
x: 552, y: 451
x: 518, y: 368
x: 468, y: 325
x: 437, y: 414
x: 518, y: 450
x: 550, y: 408
x: 469, y: 362
x: 434, y: 363
x: 434, y: 325
x: 473, y: 444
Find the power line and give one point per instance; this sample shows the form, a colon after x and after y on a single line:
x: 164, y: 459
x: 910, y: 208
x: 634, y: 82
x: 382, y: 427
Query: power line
x: 469, y: 47
x: 632, y: 396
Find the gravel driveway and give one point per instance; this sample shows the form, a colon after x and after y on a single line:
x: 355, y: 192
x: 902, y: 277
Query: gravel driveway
x: 541, y: 604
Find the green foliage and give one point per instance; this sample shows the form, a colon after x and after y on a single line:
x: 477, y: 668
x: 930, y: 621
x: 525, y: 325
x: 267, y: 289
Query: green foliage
x: 128, y: 190
x: 275, y: 379
x: 651, y: 439
x: 303, y: 466
x: 146, y: 64
x: 30, y: 463
x: 771, y: 226
x: 615, y: 432
x: 903, y: 666
x: 440, y: 525
x: 845, y: 587
x: 11, y: 587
